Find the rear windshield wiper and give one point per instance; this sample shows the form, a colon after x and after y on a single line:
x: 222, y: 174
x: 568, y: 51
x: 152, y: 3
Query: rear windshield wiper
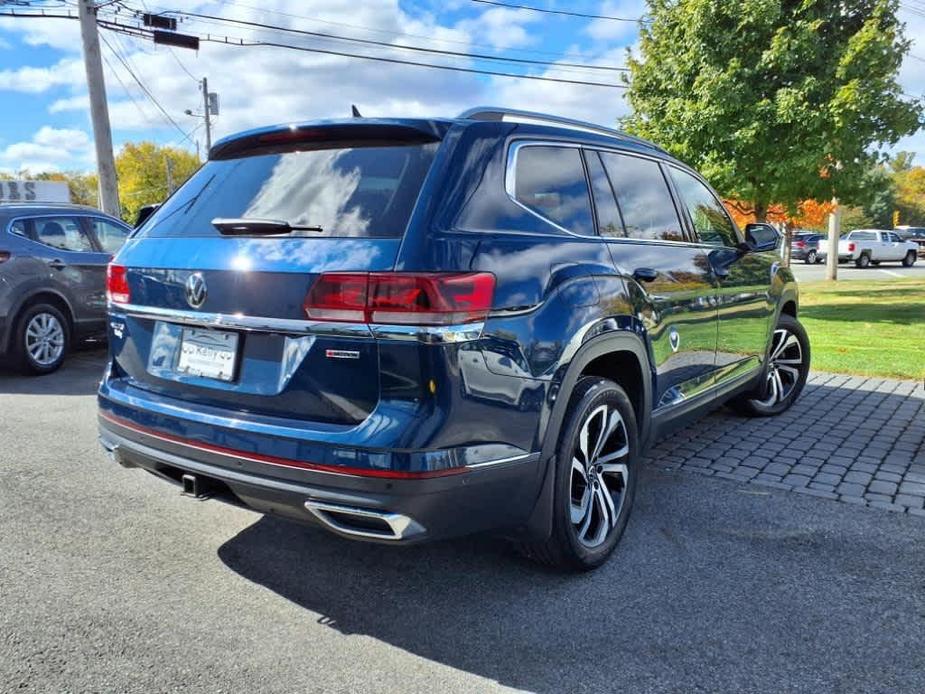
x: 246, y: 226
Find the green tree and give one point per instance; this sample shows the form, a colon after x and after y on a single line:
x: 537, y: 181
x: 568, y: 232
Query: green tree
x: 142, y: 171
x: 775, y: 101
x: 910, y: 196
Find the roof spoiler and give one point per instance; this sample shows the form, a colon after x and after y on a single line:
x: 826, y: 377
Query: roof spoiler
x: 364, y: 132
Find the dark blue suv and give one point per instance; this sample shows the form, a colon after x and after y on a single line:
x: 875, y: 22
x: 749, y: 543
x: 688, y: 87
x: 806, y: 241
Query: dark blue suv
x: 408, y: 329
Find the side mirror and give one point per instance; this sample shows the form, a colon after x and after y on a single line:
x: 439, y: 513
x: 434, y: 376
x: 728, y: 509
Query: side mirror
x: 761, y: 237
x: 144, y: 213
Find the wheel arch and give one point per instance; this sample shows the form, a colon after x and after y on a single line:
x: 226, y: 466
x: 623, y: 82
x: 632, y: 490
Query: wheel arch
x: 621, y: 357
x: 38, y: 296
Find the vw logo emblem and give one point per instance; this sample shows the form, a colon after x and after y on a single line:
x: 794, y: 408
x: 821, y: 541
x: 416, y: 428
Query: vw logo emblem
x: 674, y: 339
x: 196, y: 290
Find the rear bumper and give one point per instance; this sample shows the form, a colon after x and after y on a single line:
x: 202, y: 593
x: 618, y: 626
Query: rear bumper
x: 496, y: 495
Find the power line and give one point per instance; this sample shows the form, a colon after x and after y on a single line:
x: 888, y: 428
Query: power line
x: 386, y: 44
x: 567, y: 13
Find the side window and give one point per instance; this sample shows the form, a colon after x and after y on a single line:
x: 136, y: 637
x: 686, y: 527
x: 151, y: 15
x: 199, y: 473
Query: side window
x: 609, y: 222
x: 111, y: 236
x: 20, y: 228
x: 63, y: 233
x: 551, y: 182
x: 711, y: 222
x: 643, y: 196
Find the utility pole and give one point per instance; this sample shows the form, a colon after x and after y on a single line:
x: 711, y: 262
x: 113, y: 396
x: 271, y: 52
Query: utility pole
x: 99, y: 111
x: 205, y: 105
x: 831, y: 258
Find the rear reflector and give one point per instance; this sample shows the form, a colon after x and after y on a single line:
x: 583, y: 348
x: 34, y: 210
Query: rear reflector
x: 117, y: 290
x: 429, y: 298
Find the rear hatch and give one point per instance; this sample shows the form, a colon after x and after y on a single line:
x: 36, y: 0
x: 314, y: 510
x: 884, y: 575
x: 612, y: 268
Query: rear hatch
x: 211, y: 311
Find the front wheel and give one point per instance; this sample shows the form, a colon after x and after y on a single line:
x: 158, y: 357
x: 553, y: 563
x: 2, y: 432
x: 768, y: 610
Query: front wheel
x: 909, y: 260
x: 595, y: 483
x: 787, y: 370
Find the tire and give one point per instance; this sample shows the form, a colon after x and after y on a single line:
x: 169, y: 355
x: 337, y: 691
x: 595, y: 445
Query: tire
x: 41, y: 339
x: 811, y: 258
x: 788, y: 368
x: 909, y: 260
x: 863, y: 261
x: 586, y: 528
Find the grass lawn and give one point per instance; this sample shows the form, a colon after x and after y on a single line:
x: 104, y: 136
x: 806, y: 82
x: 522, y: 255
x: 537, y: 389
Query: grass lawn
x: 874, y: 328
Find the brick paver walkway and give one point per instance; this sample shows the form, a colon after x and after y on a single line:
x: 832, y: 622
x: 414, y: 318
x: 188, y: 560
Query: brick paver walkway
x: 858, y: 440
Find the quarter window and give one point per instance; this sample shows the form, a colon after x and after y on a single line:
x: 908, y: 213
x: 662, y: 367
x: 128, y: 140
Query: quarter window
x: 63, y: 233
x: 551, y: 182
x: 643, y: 196
x: 609, y: 222
x: 111, y: 236
x: 711, y: 222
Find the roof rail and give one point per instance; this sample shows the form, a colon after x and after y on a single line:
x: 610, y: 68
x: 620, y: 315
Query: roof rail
x: 510, y: 115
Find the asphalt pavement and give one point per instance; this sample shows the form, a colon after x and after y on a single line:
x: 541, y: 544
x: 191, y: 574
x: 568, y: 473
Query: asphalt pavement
x: 885, y: 271
x: 112, y: 581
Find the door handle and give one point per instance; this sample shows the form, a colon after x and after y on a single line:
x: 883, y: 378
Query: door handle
x: 56, y: 264
x: 644, y: 274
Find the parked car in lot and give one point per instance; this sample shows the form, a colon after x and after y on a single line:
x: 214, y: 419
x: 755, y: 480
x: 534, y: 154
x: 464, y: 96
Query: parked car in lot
x: 53, y: 261
x: 804, y: 246
x: 865, y: 247
x: 914, y: 234
x: 408, y: 329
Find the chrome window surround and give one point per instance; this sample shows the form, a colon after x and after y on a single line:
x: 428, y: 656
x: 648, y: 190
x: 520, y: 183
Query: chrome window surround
x: 437, y: 334
x: 510, y: 175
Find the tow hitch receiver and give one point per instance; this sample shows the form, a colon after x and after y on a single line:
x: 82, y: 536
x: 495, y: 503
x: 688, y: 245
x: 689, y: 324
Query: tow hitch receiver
x: 198, y: 487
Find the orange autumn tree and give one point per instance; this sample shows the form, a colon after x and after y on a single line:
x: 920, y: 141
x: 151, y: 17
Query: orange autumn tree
x: 810, y: 214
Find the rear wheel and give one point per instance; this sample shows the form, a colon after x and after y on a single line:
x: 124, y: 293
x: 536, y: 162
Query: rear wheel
x: 863, y: 261
x: 909, y: 260
x: 811, y: 258
x: 787, y: 370
x: 596, y: 470
x: 42, y: 339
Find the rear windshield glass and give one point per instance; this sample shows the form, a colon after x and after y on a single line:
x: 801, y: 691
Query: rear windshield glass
x: 358, y: 192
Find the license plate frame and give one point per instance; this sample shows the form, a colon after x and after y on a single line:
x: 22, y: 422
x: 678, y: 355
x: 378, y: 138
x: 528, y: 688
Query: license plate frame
x: 208, y: 353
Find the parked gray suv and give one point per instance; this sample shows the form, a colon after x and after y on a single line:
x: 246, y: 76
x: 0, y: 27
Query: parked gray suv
x: 53, y: 260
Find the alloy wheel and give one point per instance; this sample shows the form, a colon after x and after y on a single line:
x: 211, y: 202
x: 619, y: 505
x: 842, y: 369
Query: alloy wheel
x: 784, y: 367
x: 599, y: 475
x: 44, y: 339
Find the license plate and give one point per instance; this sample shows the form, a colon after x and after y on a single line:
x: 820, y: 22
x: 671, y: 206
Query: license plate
x: 208, y: 353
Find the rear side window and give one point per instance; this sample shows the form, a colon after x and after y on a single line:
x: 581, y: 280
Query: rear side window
x: 111, y: 236
x: 644, y: 199
x: 707, y: 213
x: 61, y: 233
x: 348, y: 192
x: 551, y: 182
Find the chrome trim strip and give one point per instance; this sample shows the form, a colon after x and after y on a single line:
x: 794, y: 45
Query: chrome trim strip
x: 501, y: 461
x: 402, y: 526
x: 436, y: 334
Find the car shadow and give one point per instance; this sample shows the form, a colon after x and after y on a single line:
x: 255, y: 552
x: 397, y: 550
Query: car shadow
x: 79, y: 375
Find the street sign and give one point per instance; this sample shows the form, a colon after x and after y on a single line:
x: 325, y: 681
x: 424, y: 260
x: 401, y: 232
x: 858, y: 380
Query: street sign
x: 213, y: 104
x: 34, y: 191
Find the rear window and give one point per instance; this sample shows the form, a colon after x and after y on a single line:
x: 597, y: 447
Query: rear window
x: 863, y: 236
x: 351, y: 192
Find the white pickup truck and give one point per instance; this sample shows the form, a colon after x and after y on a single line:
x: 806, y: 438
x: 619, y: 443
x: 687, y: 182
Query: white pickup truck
x: 871, y: 247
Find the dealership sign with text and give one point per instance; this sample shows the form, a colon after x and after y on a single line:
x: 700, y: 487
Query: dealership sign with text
x: 34, y: 191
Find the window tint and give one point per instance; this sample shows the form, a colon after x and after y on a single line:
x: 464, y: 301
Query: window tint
x: 711, y: 222
x: 63, y: 233
x: 348, y: 192
x: 643, y: 196
x: 608, y: 215
x: 551, y: 182
x: 111, y: 236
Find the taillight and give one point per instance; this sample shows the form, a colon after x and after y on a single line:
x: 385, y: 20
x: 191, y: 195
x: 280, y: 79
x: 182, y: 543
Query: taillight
x: 851, y: 248
x: 800, y: 244
x: 117, y: 289
x: 430, y: 298
x: 4, y: 256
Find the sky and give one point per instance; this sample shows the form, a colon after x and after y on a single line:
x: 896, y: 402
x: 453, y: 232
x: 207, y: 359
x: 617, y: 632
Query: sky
x: 44, y: 117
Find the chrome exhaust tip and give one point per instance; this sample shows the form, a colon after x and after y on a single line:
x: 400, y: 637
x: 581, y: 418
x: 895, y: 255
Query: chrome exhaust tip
x: 361, y: 522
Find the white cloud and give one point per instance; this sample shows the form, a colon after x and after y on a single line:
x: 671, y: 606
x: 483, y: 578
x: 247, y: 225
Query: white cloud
x: 34, y: 80
x: 50, y: 149
x: 613, y: 31
x: 502, y: 28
